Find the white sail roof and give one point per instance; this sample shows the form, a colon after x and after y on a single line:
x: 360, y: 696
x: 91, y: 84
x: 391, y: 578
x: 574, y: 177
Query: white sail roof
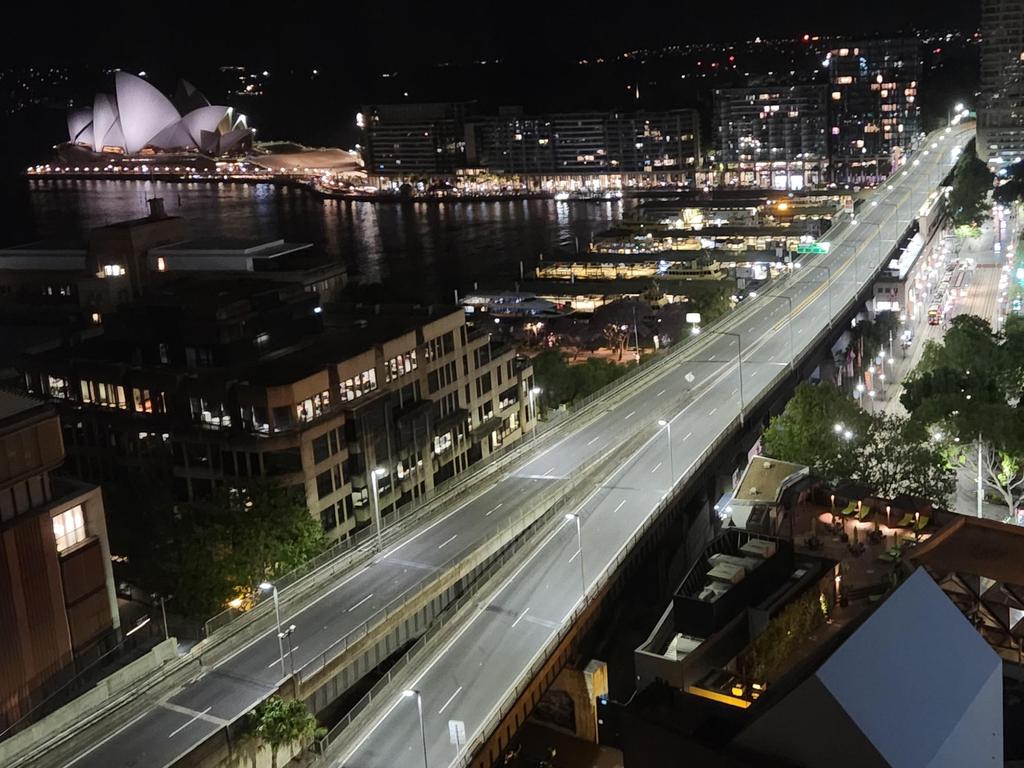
x: 104, y: 111
x: 78, y: 121
x: 144, y: 111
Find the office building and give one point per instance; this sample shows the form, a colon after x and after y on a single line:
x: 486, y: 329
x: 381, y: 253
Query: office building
x: 1000, y: 137
x: 771, y: 136
x: 50, y: 291
x: 875, y: 115
x: 58, y: 609
x: 413, y: 140
x: 213, y: 381
x: 429, y: 143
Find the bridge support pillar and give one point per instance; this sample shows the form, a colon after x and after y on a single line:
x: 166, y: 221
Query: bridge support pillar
x: 570, y: 704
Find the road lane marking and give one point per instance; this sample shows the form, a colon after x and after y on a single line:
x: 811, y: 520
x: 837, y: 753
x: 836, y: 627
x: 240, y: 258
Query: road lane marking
x: 181, y: 728
x: 656, y: 467
x: 357, y: 745
x: 660, y: 393
x: 520, y: 617
x: 495, y: 509
x: 594, y: 440
x: 629, y: 415
x: 450, y: 699
x: 447, y: 541
x: 359, y: 603
x: 619, y: 507
x: 688, y: 435
x: 277, y: 661
x: 574, y: 556
x: 712, y: 411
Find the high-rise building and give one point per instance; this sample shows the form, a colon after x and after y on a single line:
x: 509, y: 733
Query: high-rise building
x: 875, y: 115
x: 771, y: 135
x: 1001, y: 110
x: 209, y: 382
x: 57, y: 600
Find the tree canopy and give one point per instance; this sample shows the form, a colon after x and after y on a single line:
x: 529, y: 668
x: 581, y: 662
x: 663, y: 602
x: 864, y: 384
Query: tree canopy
x: 889, y: 453
x: 229, y: 543
x: 563, y: 383
x: 972, y: 181
x: 967, y: 389
x: 805, y: 432
x: 280, y: 722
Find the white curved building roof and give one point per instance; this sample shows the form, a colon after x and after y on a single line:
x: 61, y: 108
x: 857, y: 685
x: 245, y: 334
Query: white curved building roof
x: 104, y: 115
x: 144, y: 111
x: 203, y: 119
x: 137, y: 116
x: 78, y: 121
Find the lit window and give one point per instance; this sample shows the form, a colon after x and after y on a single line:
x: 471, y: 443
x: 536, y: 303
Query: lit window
x: 69, y: 528
x: 161, y: 265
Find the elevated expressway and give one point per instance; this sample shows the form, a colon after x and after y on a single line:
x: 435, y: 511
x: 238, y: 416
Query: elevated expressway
x: 476, y: 673
x: 697, y: 389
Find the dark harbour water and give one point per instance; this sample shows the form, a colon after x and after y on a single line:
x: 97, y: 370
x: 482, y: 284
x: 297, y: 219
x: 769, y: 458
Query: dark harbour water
x: 416, y: 250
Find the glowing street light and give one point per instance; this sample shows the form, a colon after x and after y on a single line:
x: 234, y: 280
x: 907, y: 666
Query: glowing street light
x: 579, y: 549
x: 376, y: 473
x: 671, y: 461
x: 266, y: 586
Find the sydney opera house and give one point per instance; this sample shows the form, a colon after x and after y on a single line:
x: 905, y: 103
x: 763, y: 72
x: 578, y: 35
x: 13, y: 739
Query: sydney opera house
x: 137, y: 121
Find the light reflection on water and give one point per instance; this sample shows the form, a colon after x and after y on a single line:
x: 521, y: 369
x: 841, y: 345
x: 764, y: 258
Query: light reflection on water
x: 433, y: 248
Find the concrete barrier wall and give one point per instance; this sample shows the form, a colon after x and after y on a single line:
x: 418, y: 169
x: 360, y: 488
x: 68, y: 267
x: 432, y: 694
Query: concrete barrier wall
x: 93, y: 699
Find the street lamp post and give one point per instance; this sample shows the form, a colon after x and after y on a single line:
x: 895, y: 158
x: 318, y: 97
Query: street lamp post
x: 533, y: 393
x: 375, y: 500
x: 739, y: 359
x: 579, y: 545
x: 871, y: 394
x: 266, y: 586
x: 671, y: 459
x: 287, y: 634
x: 792, y: 348
x: 408, y: 693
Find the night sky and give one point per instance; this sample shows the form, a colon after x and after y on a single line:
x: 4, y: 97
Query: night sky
x: 357, y: 34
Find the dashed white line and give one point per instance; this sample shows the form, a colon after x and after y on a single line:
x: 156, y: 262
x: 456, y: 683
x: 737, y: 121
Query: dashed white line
x: 277, y: 661
x: 656, y: 467
x: 660, y: 393
x: 521, y: 615
x: 688, y: 435
x: 619, y: 507
x: 359, y: 603
x: 499, y: 506
x: 591, y: 442
x: 450, y: 698
x: 180, y: 728
x: 629, y: 415
x: 447, y: 541
x: 712, y: 411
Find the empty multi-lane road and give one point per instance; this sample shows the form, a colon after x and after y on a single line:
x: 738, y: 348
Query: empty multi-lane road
x: 466, y: 680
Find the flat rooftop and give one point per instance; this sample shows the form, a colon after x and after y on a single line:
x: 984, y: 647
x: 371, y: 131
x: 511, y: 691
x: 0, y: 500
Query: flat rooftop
x: 257, y: 248
x: 13, y: 406
x: 46, y: 246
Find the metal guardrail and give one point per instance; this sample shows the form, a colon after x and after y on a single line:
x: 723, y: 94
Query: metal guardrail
x: 356, y: 550
x: 494, y: 718
x: 570, y: 497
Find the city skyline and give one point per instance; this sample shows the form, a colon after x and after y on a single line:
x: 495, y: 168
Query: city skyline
x: 469, y: 386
